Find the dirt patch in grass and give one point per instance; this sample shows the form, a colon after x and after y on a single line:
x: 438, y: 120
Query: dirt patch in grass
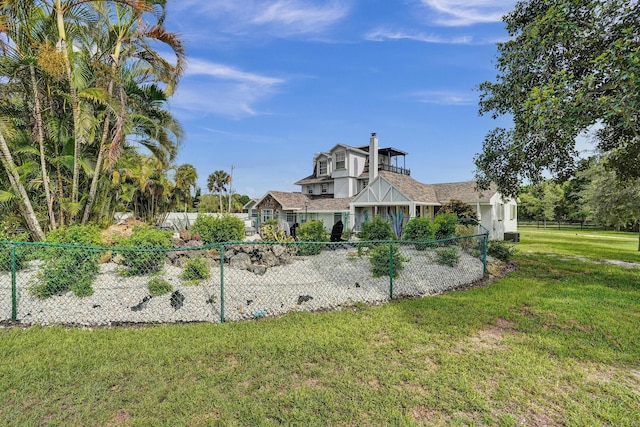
x: 426, y: 416
x: 120, y: 418
x: 629, y: 378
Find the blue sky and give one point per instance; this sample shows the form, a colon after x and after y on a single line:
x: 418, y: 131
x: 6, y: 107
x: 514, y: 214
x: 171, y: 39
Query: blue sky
x: 272, y: 82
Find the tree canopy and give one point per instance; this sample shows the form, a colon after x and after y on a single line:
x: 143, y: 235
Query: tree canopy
x: 569, y: 67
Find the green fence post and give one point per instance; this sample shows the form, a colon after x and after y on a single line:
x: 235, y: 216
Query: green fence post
x: 390, y: 269
x: 484, y: 255
x: 14, y: 291
x: 222, y: 284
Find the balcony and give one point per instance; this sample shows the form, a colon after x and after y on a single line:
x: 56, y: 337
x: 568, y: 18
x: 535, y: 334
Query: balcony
x: 390, y: 168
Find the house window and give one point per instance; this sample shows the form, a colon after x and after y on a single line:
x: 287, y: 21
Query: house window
x: 309, y: 189
x: 266, y: 214
x: 325, y: 187
x: 513, y: 212
x: 291, y: 217
x: 322, y: 167
x: 340, y: 161
x: 500, y: 212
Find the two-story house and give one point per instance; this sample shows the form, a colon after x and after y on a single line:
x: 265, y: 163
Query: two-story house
x: 353, y: 184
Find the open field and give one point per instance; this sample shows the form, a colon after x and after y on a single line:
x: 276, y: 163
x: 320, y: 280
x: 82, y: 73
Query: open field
x: 596, y: 245
x: 553, y: 343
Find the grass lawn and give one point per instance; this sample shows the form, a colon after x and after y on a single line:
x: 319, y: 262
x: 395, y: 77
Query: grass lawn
x: 598, y: 245
x: 556, y: 342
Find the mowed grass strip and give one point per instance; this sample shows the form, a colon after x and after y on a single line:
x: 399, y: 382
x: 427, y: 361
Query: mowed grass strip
x: 596, y: 245
x: 553, y: 343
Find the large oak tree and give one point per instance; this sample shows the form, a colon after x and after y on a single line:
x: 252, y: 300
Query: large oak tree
x: 569, y: 66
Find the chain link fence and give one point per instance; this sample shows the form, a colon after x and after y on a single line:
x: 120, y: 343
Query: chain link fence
x: 81, y: 285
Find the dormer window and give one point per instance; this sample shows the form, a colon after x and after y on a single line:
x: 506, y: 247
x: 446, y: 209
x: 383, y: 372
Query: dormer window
x: 340, y: 160
x: 322, y: 167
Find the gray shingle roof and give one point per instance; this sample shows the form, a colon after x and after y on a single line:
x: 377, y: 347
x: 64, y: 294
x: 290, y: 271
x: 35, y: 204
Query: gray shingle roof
x: 414, y: 190
x: 464, y: 191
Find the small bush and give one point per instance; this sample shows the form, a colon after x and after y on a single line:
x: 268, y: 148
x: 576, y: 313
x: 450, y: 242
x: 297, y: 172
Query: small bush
x: 446, y: 225
x: 376, y: 229
x: 447, y: 256
x: 312, y: 231
x: 218, y: 229
x: 158, y: 286
x: 501, y: 250
x: 143, y: 252
x: 468, y: 244
x: 379, y: 258
x: 270, y: 232
x: 420, y: 230
x: 196, y: 270
x: 69, y: 268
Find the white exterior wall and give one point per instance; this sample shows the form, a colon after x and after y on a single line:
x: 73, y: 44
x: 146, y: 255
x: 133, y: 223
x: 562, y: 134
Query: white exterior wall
x: 341, y: 187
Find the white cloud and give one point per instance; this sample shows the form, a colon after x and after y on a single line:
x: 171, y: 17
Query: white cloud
x: 295, y: 16
x: 444, y: 97
x: 383, y: 35
x: 468, y: 12
x: 213, y: 88
x: 277, y: 17
x: 221, y: 71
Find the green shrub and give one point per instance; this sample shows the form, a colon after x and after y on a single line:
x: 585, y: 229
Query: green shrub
x: 501, y: 250
x: 446, y: 225
x: 218, y: 229
x: 270, y: 232
x: 447, y: 256
x: 143, y: 252
x: 196, y: 270
x: 312, y: 231
x: 376, y: 229
x: 379, y: 258
x: 468, y: 243
x: 158, y: 286
x: 420, y: 230
x: 22, y: 252
x: 69, y: 268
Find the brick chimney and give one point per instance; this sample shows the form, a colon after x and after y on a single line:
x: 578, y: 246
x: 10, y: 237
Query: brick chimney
x: 373, y: 157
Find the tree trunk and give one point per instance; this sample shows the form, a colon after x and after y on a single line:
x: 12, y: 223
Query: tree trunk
x: 28, y: 212
x: 103, y: 141
x: 96, y: 172
x: 75, y: 108
x: 40, y: 135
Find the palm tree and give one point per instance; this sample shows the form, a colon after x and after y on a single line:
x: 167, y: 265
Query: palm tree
x: 98, y: 57
x: 185, y: 179
x: 139, y: 105
x: 217, y: 183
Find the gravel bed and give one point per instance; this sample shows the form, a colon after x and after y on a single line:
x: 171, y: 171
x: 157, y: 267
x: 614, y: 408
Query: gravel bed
x: 329, y: 281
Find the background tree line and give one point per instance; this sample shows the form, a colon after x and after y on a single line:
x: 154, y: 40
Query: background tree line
x: 594, y: 194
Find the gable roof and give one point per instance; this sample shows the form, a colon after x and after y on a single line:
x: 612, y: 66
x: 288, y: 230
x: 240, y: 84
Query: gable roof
x: 464, y: 191
x: 412, y: 189
x: 298, y: 201
x: 288, y: 201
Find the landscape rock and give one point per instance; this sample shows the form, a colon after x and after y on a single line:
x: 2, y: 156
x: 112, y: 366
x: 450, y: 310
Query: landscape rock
x: 241, y: 261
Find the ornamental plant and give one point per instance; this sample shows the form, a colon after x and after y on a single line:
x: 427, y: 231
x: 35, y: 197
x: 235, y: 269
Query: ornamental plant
x: 386, y: 261
x: 143, y: 252
x: 312, y: 231
x: 376, y: 229
x: 218, y: 229
x: 70, y: 268
x: 195, y: 271
x: 420, y: 229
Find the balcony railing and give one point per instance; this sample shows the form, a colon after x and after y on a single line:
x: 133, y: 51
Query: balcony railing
x: 391, y: 168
